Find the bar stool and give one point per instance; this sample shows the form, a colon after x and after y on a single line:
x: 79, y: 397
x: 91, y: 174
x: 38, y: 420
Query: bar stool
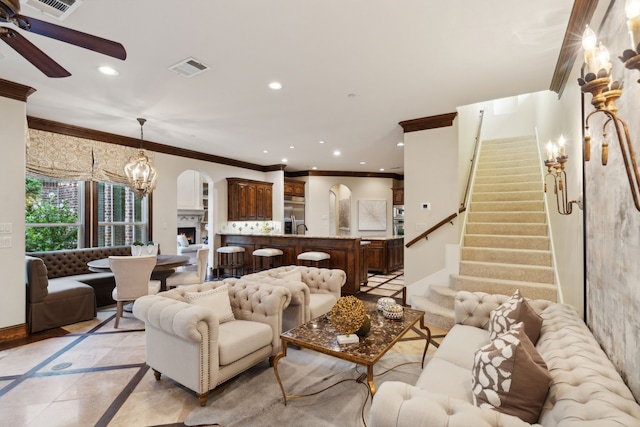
x: 230, y: 258
x: 271, y: 255
x: 313, y: 258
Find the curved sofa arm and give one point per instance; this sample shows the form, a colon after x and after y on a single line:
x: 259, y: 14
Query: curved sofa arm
x: 177, y: 317
x: 397, y: 404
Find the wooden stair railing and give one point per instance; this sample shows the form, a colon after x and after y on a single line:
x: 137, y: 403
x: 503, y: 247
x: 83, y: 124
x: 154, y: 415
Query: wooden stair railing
x: 425, y: 234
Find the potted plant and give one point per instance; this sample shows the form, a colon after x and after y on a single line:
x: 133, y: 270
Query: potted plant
x: 136, y: 248
x: 151, y: 248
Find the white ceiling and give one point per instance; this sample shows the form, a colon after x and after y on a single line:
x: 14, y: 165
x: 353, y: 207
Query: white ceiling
x: 402, y: 59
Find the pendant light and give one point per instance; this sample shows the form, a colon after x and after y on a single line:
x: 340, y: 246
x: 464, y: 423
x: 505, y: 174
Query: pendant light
x: 141, y: 174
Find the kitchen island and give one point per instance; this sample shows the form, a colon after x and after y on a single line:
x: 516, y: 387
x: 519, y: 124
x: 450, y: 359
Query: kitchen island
x: 347, y: 253
x: 385, y: 254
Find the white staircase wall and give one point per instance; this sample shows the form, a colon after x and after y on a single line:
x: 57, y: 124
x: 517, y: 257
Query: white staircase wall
x: 441, y: 277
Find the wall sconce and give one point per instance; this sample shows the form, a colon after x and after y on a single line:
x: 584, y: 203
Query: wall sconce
x: 555, y: 163
x: 604, y: 94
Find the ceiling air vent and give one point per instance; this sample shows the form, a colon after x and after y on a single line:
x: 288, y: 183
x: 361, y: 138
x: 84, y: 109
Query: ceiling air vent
x: 189, y: 67
x: 59, y: 9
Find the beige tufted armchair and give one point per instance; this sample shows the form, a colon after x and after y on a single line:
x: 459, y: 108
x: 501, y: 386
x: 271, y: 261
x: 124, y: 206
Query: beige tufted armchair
x: 188, y: 343
x: 314, y: 296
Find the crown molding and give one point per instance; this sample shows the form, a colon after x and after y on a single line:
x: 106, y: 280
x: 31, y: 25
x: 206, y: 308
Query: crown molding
x: 581, y: 15
x: 15, y: 90
x: 344, y: 174
x: 431, y: 122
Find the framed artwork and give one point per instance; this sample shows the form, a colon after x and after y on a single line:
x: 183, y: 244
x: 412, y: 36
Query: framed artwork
x: 372, y: 215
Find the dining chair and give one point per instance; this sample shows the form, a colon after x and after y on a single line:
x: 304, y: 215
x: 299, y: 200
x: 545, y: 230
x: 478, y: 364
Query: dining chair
x: 132, y: 274
x: 191, y: 277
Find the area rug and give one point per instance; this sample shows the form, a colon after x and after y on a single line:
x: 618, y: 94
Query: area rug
x: 254, y: 398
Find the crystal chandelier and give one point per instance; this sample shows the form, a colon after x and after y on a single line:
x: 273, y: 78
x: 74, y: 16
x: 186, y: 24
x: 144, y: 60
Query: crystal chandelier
x: 141, y: 174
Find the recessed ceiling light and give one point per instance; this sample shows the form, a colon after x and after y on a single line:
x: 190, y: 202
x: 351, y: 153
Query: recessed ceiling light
x: 363, y: 163
x: 351, y: 95
x: 400, y: 144
x: 292, y: 146
x: 336, y: 153
x: 265, y: 151
x: 275, y: 85
x: 314, y: 167
x: 108, y: 71
x: 320, y: 142
x: 284, y: 160
x: 381, y: 169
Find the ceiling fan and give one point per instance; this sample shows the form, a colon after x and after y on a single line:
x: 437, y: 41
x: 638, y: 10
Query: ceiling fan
x: 10, y: 13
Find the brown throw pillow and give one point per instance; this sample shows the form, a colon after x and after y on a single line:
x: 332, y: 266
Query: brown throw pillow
x: 514, y: 310
x: 510, y: 376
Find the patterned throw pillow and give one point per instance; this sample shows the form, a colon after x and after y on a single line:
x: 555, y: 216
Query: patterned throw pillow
x: 510, y: 376
x: 514, y: 310
x: 216, y: 299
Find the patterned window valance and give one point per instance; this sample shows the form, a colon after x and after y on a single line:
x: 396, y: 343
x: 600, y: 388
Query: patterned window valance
x: 66, y: 157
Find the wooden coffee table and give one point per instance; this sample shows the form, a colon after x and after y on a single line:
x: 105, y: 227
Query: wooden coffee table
x: 318, y: 335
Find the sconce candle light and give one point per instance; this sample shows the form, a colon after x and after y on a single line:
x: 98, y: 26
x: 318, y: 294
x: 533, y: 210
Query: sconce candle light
x: 604, y: 94
x: 556, y: 163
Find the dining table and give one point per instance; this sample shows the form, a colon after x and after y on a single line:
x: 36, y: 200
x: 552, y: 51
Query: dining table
x: 164, y: 268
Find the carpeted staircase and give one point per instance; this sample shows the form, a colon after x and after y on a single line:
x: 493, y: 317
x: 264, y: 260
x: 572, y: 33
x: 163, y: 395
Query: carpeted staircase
x: 506, y: 241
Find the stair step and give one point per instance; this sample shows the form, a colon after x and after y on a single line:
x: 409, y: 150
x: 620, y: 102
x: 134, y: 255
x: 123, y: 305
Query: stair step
x: 492, y: 163
x: 508, y: 186
x: 501, y: 179
x: 519, y: 272
x: 511, y: 206
x: 508, y: 196
x: 434, y: 314
x: 507, y: 242
x: 502, y: 217
x: 507, y: 155
x: 444, y: 296
x: 507, y: 256
x: 519, y: 229
x: 504, y: 287
x: 516, y: 170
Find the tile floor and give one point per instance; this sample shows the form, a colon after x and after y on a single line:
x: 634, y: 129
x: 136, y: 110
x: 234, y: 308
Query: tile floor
x: 90, y: 374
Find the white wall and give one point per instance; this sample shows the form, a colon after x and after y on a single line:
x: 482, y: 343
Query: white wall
x: 12, y: 161
x: 317, y: 215
x: 555, y: 118
x: 431, y: 175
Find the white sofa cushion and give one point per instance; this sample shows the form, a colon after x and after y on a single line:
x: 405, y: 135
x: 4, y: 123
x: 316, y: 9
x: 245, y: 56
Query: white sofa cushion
x: 182, y: 240
x: 241, y: 337
x: 216, y: 299
x: 441, y: 376
x: 294, y: 275
x: 460, y: 345
x: 320, y: 304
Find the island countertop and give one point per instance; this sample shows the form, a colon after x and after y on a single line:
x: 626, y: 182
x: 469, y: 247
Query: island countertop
x: 347, y: 252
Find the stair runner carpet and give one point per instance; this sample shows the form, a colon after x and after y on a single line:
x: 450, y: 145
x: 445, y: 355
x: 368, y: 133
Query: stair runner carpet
x: 506, y: 241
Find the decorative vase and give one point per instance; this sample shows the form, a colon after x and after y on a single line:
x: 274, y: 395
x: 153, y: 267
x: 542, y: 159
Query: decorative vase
x: 151, y: 249
x: 365, y: 328
x: 136, y: 250
x: 393, y: 312
x: 383, y: 302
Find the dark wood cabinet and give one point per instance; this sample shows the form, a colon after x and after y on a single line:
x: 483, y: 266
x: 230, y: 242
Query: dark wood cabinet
x: 398, y: 196
x: 293, y: 187
x: 385, y: 255
x: 249, y: 200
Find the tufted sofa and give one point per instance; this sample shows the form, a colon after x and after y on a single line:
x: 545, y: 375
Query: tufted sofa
x: 69, y: 267
x: 585, y: 388
x: 189, y: 344
x: 314, y: 296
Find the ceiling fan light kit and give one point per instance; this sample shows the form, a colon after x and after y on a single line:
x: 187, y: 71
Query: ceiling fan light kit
x: 10, y: 14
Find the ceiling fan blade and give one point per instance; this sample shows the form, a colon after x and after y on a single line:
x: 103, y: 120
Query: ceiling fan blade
x: 32, y: 54
x: 67, y: 35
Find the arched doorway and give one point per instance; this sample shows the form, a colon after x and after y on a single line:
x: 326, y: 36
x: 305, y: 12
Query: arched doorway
x: 339, y: 210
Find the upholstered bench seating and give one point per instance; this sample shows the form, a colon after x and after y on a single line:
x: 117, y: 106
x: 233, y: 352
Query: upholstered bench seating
x: 70, y: 265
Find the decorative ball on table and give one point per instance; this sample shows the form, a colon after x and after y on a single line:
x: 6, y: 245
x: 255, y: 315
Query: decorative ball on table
x: 347, y: 316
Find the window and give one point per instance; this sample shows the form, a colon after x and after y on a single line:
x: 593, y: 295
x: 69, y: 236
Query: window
x: 122, y: 216
x: 66, y: 214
